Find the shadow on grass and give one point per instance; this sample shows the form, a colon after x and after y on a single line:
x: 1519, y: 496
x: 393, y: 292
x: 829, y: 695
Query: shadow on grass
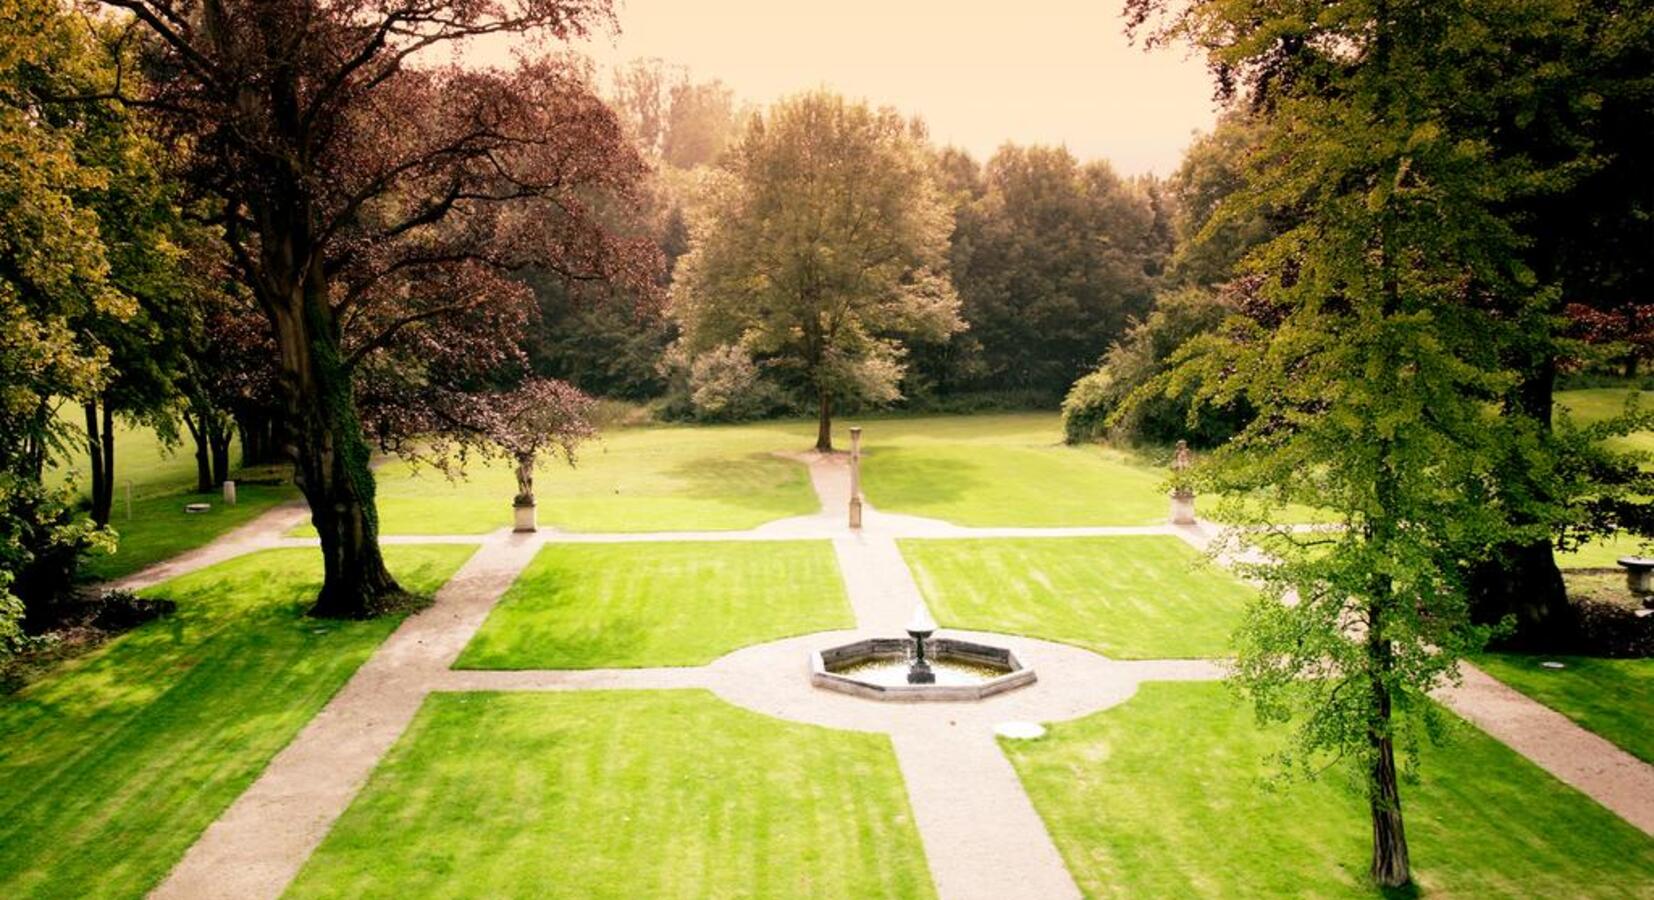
x: 758, y: 481
x: 917, y: 476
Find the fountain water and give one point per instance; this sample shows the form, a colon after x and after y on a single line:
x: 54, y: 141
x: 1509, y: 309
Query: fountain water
x: 920, y: 667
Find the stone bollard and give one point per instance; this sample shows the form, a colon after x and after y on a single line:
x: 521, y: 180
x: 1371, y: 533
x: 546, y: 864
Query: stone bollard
x: 229, y: 493
x: 855, y: 477
x: 525, y: 519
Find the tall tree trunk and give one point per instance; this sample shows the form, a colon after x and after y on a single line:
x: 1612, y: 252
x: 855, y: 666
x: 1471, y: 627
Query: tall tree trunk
x: 1390, y: 867
x: 102, y: 472
x: 1522, y: 580
x: 197, y: 425
x: 332, y: 456
x: 824, y: 427
x: 218, y: 442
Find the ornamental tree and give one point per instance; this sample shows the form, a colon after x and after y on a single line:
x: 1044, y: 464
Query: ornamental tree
x: 819, y: 246
x: 538, y: 420
x: 369, y: 196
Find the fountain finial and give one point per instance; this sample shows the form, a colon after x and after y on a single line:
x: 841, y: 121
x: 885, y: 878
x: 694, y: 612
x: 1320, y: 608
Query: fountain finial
x: 922, y: 626
x: 921, y: 623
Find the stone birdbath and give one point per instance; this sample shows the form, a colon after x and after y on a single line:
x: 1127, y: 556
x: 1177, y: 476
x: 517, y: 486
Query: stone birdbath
x: 1639, y: 574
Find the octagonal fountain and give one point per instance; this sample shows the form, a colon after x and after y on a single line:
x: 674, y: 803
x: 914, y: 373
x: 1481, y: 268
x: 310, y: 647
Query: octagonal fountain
x: 918, y: 667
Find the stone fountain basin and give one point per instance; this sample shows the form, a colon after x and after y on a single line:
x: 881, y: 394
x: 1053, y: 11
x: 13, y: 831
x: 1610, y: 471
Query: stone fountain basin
x: 827, y: 669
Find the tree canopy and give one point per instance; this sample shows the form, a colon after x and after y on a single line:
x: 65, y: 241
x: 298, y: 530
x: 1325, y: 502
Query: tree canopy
x: 821, y: 243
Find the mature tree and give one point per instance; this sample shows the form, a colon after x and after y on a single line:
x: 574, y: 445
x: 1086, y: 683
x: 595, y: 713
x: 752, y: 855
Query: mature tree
x: 142, y: 233
x: 1377, y: 392
x: 1574, y: 107
x: 672, y: 118
x: 1209, y: 245
x: 367, y: 200
x: 700, y: 124
x: 53, y: 275
x: 821, y: 246
x: 1052, y: 261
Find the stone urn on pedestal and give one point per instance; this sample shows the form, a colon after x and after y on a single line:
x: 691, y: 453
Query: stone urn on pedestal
x: 1183, y: 495
x: 524, y: 516
x: 855, y: 477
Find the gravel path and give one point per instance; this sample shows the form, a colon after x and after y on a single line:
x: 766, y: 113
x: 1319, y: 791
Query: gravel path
x: 981, y: 833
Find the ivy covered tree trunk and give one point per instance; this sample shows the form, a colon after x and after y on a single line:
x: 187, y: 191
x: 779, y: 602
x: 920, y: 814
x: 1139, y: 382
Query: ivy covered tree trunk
x: 332, y: 455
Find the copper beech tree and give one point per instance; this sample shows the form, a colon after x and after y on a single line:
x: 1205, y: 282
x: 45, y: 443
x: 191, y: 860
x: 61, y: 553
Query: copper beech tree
x: 370, y: 195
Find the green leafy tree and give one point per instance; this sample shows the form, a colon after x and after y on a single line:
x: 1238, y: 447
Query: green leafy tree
x: 53, y: 274
x: 1052, y: 261
x: 819, y: 247
x: 1142, y: 356
x: 1377, y: 393
x: 1210, y: 244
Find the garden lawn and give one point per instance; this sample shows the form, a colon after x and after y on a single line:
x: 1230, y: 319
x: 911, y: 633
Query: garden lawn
x: 1611, y: 697
x: 1147, y: 597
x: 1595, y: 404
x: 707, y: 478
x: 1603, y: 554
x: 1005, y: 470
x: 624, y: 795
x: 585, y: 606
x: 159, y: 528
x: 112, y: 765
x: 1161, y: 797
x: 141, y: 457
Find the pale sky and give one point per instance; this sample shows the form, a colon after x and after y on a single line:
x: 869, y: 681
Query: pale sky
x: 979, y: 73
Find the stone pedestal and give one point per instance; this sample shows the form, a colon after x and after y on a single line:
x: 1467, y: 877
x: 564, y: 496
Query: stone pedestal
x: 1639, y: 574
x: 1183, y: 507
x: 229, y: 493
x: 525, y: 520
x: 855, y: 477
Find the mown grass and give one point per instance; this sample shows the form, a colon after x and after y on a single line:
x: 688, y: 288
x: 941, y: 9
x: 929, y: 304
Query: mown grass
x: 1124, y: 597
x: 1010, y: 469
x: 581, y: 606
x: 1588, y: 405
x: 666, y: 478
x: 1611, y: 697
x: 623, y: 795
x: 112, y: 765
x: 159, y: 529
x: 1162, y: 797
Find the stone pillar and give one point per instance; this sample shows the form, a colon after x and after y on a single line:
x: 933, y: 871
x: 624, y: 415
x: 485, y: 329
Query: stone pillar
x: 1183, y: 507
x: 1183, y: 497
x: 525, y: 520
x: 229, y: 493
x: 855, y: 477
